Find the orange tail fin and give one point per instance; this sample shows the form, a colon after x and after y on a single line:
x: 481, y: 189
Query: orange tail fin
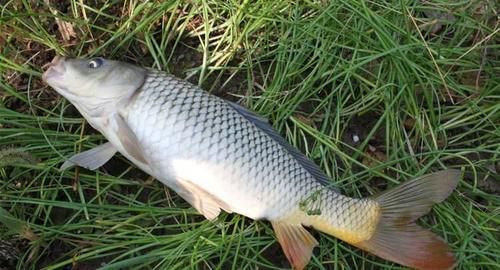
x: 398, y: 238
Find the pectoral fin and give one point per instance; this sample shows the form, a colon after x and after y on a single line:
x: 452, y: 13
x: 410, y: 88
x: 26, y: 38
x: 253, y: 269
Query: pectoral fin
x: 205, y: 203
x: 297, y: 243
x: 128, y: 139
x: 91, y: 159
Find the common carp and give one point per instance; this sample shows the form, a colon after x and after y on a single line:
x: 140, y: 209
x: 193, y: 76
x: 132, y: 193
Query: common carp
x: 217, y: 155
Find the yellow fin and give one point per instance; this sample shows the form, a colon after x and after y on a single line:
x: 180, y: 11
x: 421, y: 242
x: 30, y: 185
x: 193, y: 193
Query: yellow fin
x: 205, y: 203
x: 297, y: 243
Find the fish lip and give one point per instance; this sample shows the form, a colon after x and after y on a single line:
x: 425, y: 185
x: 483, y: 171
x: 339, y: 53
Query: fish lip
x: 55, y: 71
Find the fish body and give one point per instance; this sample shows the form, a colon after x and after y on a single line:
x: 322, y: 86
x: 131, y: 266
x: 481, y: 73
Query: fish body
x: 219, y: 156
x: 187, y: 134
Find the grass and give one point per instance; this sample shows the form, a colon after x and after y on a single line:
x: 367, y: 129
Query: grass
x: 416, y: 81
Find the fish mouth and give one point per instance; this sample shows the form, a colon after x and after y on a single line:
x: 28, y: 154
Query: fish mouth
x: 55, y: 71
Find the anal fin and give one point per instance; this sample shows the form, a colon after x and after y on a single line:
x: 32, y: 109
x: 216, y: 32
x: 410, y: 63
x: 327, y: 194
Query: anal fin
x: 204, y: 202
x: 91, y: 159
x: 297, y: 243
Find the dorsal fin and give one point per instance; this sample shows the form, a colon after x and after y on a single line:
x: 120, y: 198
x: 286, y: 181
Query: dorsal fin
x: 263, y: 125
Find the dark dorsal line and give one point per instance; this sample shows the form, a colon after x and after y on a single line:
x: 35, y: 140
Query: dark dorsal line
x: 306, y: 163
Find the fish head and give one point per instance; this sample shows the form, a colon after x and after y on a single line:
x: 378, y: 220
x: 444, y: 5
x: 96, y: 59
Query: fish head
x: 93, y: 80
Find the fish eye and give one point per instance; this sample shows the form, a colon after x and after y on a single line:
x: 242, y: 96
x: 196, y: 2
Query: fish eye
x: 95, y: 63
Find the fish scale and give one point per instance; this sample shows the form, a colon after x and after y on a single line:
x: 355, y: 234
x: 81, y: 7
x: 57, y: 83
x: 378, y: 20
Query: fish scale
x: 202, y: 128
x: 235, y: 152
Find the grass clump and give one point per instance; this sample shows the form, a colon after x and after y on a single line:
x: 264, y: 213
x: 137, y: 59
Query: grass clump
x: 373, y: 91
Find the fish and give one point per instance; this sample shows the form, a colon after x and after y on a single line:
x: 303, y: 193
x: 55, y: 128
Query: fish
x: 219, y: 156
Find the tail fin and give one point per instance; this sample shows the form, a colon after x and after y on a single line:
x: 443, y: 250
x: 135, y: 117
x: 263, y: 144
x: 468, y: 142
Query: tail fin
x: 398, y: 238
